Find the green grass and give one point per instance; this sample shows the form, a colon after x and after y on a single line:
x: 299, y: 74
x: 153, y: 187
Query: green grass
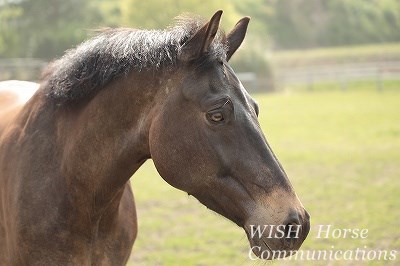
x: 341, y: 151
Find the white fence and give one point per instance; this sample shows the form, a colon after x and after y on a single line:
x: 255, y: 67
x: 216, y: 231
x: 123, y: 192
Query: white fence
x: 21, y: 68
x: 30, y: 69
x: 339, y: 73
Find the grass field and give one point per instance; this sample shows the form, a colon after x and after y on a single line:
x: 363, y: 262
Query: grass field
x: 341, y: 151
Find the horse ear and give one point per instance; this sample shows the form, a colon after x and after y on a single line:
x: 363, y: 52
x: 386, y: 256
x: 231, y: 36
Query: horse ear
x: 236, y: 36
x: 201, y: 40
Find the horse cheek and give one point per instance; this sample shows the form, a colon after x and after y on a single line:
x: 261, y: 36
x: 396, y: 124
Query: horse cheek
x: 165, y: 153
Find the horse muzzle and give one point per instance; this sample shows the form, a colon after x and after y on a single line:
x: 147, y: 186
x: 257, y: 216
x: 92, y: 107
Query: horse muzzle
x: 273, y: 241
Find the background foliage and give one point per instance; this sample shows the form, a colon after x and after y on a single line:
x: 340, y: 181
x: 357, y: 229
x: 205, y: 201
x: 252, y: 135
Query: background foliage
x: 46, y: 28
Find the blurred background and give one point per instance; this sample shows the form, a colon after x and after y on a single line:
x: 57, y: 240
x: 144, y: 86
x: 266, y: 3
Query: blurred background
x: 290, y: 42
x: 326, y: 74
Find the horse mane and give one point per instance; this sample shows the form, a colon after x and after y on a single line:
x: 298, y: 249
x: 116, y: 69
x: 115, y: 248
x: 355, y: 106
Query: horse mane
x: 114, y: 53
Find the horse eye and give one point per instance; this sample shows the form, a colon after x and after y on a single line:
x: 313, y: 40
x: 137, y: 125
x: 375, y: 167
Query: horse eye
x: 216, y: 117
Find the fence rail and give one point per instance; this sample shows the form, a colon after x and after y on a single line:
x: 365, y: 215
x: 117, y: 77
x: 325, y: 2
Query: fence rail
x: 339, y: 73
x: 30, y: 69
x: 21, y: 68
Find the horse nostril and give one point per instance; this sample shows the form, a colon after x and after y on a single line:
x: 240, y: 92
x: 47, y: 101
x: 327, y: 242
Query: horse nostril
x: 292, y: 230
x: 292, y: 233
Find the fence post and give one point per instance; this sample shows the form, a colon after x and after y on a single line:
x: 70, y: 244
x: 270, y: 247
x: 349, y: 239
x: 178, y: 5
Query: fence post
x: 310, y: 82
x: 379, y: 83
x: 343, y: 84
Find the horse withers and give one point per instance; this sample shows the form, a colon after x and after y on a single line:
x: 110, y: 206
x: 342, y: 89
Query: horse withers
x: 101, y: 111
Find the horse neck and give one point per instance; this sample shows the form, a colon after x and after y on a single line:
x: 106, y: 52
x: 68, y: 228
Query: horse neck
x: 107, y: 139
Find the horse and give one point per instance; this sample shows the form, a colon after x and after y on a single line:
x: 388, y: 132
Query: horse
x: 115, y: 101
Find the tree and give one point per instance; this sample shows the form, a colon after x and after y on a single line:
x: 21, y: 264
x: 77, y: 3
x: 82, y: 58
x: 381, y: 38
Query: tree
x: 44, y: 28
x: 359, y: 21
x: 153, y: 14
x: 314, y: 23
x: 9, y: 39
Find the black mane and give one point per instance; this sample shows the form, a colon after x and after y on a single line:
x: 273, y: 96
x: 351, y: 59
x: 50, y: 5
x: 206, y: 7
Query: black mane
x: 86, y: 69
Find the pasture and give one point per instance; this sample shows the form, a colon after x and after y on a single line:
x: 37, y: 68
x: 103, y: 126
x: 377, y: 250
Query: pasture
x: 341, y: 151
